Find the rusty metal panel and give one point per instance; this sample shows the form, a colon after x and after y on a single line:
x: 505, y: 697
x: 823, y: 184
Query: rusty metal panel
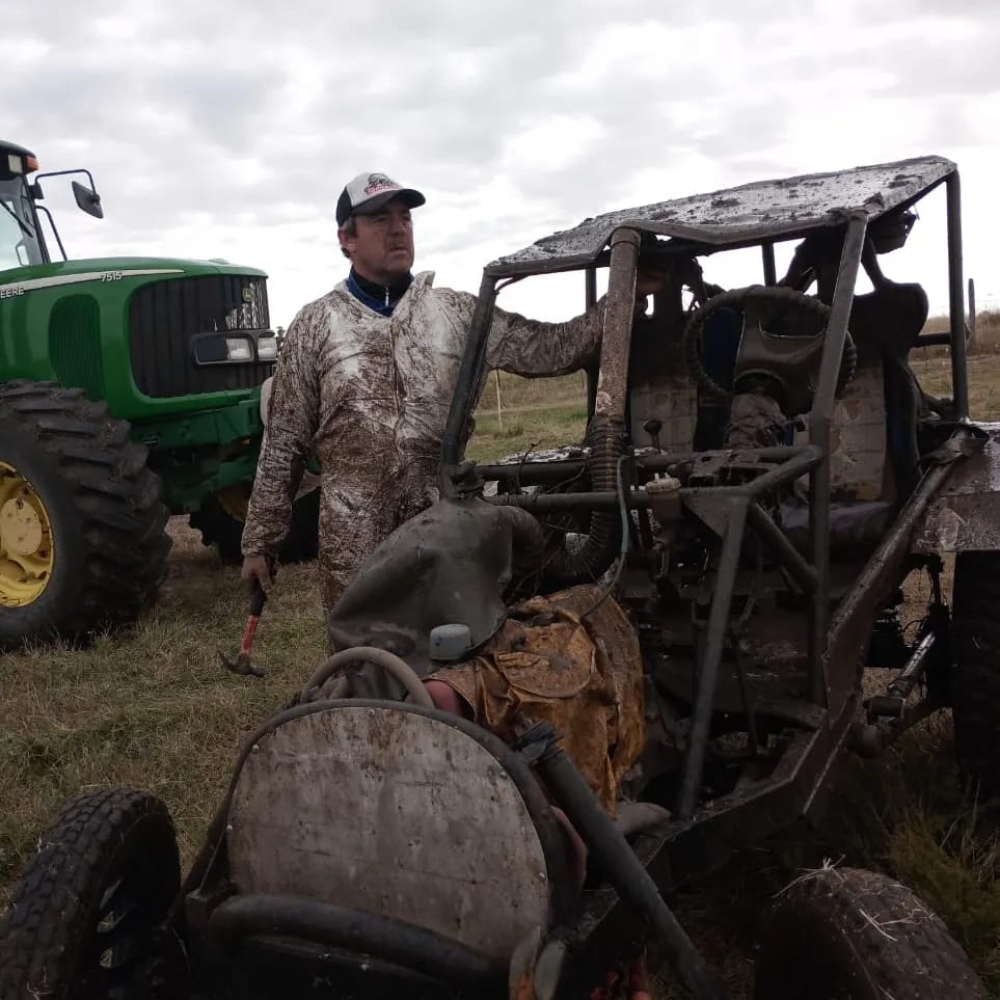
x: 393, y: 813
x: 760, y: 211
x: 966, y: 514
x: 671, y: 398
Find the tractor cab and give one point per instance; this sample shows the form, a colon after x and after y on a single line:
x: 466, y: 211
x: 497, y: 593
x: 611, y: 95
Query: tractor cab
x: 22, y: 243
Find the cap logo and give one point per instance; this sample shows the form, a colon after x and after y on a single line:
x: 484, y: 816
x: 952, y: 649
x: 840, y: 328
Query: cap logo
x: 377, y: 183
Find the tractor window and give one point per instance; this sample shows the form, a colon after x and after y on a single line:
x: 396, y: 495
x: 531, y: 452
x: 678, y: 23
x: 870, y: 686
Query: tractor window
x: 19, y: 243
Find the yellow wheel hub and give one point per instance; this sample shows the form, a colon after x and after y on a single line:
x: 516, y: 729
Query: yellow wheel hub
x: 26, y: 551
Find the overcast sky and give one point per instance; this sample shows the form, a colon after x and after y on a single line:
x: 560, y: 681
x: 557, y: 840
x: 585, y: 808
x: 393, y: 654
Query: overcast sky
x: 218, y: 128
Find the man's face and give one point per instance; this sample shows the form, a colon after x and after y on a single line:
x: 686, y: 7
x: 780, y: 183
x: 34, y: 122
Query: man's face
x: 382, y: 249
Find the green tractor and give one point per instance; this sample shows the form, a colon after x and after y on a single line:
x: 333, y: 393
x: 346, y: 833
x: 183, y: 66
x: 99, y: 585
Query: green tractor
x: 130, y: 390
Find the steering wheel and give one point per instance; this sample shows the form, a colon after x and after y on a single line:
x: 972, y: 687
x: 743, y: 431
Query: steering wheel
x: 782, y: 365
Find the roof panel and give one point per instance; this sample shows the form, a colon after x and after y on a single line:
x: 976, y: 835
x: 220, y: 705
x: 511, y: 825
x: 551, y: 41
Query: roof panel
x: 758, y: 211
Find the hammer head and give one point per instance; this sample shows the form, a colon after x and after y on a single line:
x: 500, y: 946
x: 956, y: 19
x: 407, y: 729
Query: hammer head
x: 241, y: 665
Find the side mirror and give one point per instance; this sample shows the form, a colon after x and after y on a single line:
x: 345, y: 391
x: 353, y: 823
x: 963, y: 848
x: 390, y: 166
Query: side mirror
x: 88, y: 200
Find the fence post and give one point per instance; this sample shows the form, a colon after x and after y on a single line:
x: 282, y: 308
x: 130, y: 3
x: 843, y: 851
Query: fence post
x: 971, y: 325
x: 496, y: 375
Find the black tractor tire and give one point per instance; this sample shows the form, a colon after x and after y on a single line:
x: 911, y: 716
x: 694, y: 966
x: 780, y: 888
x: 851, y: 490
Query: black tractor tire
x: 104, y: 508
x: 850, y: 934
x: 219, y: 528
x: 975, y: 677
x: 84, y: 917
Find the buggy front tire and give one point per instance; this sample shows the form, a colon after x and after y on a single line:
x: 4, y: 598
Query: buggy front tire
x: 851, y: 934
x: 83, y: 917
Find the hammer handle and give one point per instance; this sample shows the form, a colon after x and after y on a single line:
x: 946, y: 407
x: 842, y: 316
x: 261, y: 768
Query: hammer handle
x: 256, y: 608
x: 249, y: 631
x: 257, y: 601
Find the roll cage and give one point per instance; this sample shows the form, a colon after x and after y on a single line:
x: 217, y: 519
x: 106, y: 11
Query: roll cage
x: 859, y: 212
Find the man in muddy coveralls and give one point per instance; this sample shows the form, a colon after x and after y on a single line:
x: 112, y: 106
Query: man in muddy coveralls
x: 364, y: 381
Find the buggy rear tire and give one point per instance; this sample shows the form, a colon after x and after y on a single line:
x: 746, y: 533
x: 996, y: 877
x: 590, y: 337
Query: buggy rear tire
x: 83, y: 540
x: 850, y: 934
x: 83, y: 918
x: 975, y: 678
x: 220, y: 528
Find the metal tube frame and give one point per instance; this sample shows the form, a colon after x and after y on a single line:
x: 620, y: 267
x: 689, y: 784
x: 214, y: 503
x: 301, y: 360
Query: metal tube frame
x: 659, y: 462
x: 619, y: 862
x: 742, y: 504
x: 956, y: 297
x: 770, y: 266
x: 469, y: 377
x: 819, y: 437
x: 708, y: 672
x: 55, y: 232
x: 806, y: 459
x: 788, y: 556
x: 612, y: 377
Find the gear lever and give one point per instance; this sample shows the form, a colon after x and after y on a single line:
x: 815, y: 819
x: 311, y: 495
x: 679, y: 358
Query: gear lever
x: 652, y: 427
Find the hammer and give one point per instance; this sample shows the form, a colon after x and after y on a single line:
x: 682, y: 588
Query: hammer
x: 242, y: 664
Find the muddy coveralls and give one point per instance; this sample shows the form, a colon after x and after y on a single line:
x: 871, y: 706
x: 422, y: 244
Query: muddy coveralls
x: 369, y: 395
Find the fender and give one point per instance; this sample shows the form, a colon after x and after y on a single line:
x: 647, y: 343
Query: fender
x: 966, y: 513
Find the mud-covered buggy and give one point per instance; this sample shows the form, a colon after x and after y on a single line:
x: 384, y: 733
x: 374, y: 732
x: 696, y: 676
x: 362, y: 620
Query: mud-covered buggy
x: 583, y: 678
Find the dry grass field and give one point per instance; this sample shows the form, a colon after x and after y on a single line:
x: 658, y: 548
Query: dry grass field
x: 154, y: 709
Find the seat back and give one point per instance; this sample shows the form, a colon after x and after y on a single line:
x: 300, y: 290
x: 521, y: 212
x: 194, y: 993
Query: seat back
x: 873, y: 439
x: 661, y: 387
x: 858, y: 444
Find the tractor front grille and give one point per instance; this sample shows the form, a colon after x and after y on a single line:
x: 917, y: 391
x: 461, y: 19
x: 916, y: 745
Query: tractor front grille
x: 165, y: 315
x: 75, y: 344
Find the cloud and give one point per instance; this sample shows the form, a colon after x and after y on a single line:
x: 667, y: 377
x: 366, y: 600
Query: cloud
x: 228, y: 129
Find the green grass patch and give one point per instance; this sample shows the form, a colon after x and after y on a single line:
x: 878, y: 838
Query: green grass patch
x: 519, y: 431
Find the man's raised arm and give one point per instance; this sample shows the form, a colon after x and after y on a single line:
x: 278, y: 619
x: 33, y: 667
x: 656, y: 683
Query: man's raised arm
x: 533, y: 348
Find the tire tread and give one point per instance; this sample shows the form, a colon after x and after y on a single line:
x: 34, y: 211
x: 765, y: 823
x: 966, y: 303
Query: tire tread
x: 115, y: 494
x: 37, y: 931
x: 904, y: 948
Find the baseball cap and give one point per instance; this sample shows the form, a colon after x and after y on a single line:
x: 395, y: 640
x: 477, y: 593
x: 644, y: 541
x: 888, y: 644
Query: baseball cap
x: 367, y: 193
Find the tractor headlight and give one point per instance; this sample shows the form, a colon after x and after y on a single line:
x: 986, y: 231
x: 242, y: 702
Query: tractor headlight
x: 267, y: 348
x: 233, y: 348
x: 239, y: 349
